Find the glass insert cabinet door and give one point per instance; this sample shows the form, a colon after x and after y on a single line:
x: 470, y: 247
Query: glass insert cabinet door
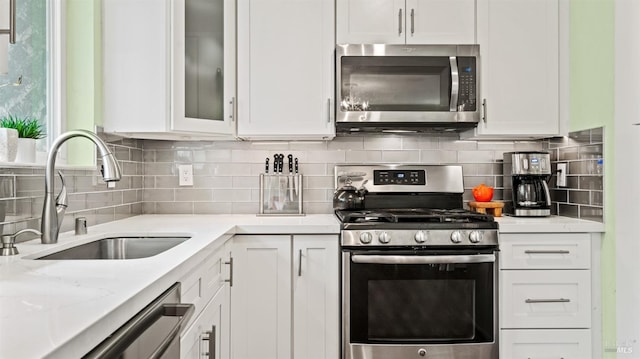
x: 204, y: 65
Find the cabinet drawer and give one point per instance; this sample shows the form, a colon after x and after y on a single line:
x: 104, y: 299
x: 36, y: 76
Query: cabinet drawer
x: 545, y: 299
x: 547, y: 251
x: 203, y: 281
x: 529, y: 344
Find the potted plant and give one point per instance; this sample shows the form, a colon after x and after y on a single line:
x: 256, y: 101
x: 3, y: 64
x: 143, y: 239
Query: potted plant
x: 29, y: 130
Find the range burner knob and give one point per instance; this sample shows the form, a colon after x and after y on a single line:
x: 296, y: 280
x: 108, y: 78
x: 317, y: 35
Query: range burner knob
x: 420, y: 237
x: 456, y: 237
x: 365, y: 237
x: 384, y: 237
x: 475, y: 236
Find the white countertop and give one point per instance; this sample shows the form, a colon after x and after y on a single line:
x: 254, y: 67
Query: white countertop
x: 64, y: 308
x: 552, y: 224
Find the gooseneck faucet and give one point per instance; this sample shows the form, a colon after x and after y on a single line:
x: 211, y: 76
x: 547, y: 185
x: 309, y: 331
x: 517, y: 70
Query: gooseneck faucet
x: 53, y: 209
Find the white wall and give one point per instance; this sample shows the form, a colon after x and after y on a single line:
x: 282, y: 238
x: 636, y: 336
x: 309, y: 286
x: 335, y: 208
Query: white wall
x: 627, y: 176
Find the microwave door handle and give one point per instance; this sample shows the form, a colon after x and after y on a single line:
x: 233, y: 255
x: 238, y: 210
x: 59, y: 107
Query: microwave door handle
x: 446, y: 259
x: 455, y: 84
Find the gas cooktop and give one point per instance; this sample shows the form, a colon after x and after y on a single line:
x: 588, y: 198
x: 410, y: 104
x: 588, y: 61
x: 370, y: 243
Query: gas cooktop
x: 408, y: 215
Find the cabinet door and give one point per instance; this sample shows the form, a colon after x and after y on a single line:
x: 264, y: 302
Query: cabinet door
x: 566, y: 344
x: 261, y: 297
x: 370, y: 21
x: 520, y: 62
x: 316, y: 327
x: 441, y: 21
x: 210, y: 331
x: 204, y: 66
x: 285, y: 69
x: 135, y: 65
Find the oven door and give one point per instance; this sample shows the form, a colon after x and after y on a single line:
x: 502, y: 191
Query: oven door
x: 414, y: 304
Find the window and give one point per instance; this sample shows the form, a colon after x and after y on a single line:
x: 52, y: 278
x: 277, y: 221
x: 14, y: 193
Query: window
x: 30, y: 86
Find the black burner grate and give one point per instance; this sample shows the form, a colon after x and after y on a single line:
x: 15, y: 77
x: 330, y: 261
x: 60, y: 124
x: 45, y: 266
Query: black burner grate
x: 413, y: 216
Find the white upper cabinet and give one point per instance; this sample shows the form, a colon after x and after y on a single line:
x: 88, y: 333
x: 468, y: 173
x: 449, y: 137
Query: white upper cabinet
x: 519, y: 50
x: 285, y: 69
x: 406, y: 21
x: 169, y: 68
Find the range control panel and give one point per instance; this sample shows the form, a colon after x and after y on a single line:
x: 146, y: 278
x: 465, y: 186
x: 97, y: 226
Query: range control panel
x: 399, y: 177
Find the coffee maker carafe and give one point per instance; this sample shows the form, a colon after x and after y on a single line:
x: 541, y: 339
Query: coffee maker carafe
x: 525, y: 176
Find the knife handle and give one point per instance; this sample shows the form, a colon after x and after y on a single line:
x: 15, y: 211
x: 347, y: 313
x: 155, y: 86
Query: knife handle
x: 290, y: 158
x: 296, y: 165
x: 281, y: 162
x: 275, y: 163
x: 266, y: 166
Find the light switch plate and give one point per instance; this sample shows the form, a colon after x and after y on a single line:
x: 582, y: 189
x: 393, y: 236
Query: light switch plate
x: 185, y: 175
x: 561, y: 178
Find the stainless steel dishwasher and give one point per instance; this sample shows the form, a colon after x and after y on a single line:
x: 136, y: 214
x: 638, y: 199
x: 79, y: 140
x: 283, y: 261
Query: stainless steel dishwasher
x: 152, y: 333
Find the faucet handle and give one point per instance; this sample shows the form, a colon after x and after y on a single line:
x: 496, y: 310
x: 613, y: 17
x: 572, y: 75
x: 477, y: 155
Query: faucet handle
x: 9, y: 241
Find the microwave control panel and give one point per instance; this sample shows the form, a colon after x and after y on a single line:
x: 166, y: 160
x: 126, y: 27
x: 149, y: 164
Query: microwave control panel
x: 467, y: 92
x: 399, y: 177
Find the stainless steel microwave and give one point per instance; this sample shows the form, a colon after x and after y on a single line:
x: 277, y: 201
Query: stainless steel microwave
x: 406, y: 88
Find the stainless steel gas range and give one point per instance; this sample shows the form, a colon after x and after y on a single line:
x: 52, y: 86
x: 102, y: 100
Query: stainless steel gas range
x: 419, y: 273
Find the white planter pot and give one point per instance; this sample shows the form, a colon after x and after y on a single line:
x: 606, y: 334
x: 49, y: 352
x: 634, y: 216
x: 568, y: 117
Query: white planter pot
x: 8, y: 144
x: 26, y: 150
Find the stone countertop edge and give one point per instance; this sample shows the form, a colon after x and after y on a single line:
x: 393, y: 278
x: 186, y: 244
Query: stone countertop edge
x: 68, y: 307
x: 551, y: 224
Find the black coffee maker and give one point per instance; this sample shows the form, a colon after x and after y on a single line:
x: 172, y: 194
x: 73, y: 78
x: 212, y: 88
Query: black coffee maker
x: 525, y: 180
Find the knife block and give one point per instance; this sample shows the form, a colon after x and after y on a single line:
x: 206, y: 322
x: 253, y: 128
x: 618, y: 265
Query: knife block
x: 280, y: 195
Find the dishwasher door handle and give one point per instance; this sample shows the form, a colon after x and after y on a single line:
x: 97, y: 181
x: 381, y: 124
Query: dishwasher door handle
x: 116, y: 344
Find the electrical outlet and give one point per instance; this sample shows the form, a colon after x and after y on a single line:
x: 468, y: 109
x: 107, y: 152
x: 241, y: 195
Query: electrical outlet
x: 185, y: 175
x: 561, y: 179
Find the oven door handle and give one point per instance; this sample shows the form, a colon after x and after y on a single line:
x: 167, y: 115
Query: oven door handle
x: 452, y: 259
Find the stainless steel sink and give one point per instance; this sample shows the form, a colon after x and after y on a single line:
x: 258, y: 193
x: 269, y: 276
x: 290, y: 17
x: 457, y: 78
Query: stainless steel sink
x: 118, y: 248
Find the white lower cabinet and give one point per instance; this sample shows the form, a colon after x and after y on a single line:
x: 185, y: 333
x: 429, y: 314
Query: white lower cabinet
x: 285, y: 301
x: 545, y: 296
x: 530, y: 344
x: 207, y: 288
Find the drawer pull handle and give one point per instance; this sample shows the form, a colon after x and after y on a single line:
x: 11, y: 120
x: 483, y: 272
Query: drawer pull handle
x: 230, y: 280
x: 547, y: 252
x: 211, y: 338
x: 559, y: 300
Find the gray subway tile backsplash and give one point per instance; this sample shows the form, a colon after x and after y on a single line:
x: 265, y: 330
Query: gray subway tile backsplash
x: 226, y: 175
x: 583, y: 197
x: 233, y: 175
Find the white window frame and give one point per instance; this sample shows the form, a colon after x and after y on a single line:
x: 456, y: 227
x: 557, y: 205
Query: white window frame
x: 56, y: 91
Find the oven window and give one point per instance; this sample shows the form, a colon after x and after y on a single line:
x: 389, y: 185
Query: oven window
x: 395, y: 83
x: 421, y: 303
